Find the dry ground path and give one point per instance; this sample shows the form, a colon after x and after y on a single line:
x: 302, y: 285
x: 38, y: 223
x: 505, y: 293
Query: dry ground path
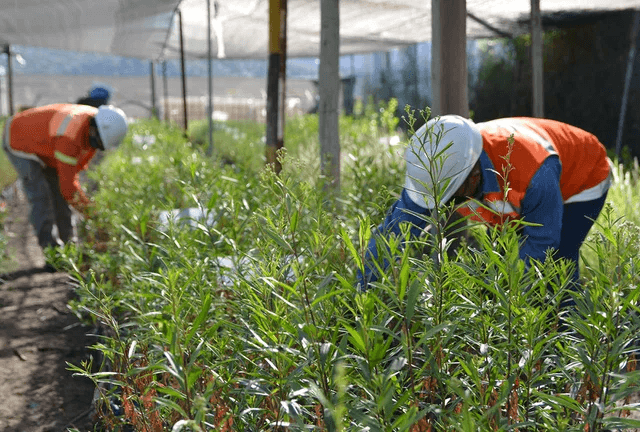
x: 38, y: 336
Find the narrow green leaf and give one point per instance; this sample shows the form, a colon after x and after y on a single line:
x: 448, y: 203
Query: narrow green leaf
x: 356, y: 339
x: 294, y: 221
x: 170, y: 391
x: 275, y: 236
x: 204, y: 313
x: 558, y: 401
x: 412, y: 298
x: 193, y: 376
x: 171, y: 404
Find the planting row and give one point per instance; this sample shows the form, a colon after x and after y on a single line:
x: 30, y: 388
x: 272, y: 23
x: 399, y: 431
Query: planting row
x: 227, y: 301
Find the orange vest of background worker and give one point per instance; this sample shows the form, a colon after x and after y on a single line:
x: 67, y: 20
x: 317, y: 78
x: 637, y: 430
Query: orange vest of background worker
x: 49, y: 146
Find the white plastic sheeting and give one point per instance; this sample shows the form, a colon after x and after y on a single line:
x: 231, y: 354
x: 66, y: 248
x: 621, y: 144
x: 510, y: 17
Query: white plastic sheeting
x: 192, y: 216
x: 131, y: 28
x: 230, y: 269
x: 233, y: 269
x: 147, y: 29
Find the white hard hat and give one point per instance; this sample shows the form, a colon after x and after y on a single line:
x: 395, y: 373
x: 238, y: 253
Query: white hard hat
x: 112, y: 125
x: 444, y: 149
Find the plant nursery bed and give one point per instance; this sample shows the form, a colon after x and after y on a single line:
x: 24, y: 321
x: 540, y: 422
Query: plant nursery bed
x: 38, y: 337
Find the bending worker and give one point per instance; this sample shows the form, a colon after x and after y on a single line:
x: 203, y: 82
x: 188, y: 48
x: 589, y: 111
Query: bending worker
x: 49, y: 146
x: 559, y: 179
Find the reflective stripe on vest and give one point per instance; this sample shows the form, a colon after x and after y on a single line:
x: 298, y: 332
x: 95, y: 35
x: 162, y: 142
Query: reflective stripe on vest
x: 594, y: 192
x: 65, y: 159
x: 493, y: 209
x: 515, y: 126
x: 62, y: 129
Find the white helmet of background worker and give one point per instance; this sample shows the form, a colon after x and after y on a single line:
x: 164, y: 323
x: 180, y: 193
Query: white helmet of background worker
x: 112, y: 125
x: 458, y: 144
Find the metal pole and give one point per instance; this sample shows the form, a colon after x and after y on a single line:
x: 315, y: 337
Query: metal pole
x: 627, y: 81
x: 387, y: 85
x: 7, y: 50
x: 210, y: 83
x: 273, y: 82
x: 283, y: 73
x: 154, y: 112
x: 1, y: 94
x: 537, y: 59
x: 416, y: 71
x: 184, y: 77
x: 165, y: 85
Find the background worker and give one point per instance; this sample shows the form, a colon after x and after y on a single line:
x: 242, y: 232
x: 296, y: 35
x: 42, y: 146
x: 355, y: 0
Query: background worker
x: 98, y: 95
x: 559, y: 177
x: 49, y: 146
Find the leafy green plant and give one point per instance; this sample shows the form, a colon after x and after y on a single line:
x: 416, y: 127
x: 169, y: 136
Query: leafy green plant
x: 7, y: 172
x: 7, y: 176
x: 248, y: 319
x: 234, y: 142
x: 624, y: 192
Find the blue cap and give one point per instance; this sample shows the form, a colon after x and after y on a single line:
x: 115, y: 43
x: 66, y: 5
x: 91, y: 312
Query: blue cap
x: 99, y: 93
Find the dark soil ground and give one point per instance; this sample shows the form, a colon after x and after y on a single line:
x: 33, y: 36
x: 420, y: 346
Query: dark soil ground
x: 38, y: 337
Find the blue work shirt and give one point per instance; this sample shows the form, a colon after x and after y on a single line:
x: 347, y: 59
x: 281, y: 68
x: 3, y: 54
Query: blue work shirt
x: 542, y: 204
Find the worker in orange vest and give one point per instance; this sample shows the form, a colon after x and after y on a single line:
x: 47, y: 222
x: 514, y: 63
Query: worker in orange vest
x: 49, y: 146
x: 558, y: 178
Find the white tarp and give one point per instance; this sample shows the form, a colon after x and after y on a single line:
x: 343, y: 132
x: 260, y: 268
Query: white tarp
x: 130, y: 28
x: 191, y: 216
x: 232, y: 269
x: 147, y: 29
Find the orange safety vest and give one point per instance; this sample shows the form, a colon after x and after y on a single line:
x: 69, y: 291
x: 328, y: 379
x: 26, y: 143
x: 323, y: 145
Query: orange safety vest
x: 56, y: 136
x: 585, y: 166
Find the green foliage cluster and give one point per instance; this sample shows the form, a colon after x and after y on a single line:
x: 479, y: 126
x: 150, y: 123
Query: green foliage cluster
x: 585, y: 62
x: 252, y: 322
x: 7, y: 176
x: 239, y: 142
x: 7, y: 172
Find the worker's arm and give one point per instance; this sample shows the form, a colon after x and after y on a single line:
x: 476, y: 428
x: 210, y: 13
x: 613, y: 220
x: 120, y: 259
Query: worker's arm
x: 542, y: 205
x: 66, y: 156
x: 403, y: 210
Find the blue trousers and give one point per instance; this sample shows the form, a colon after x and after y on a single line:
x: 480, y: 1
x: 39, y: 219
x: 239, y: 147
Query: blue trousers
x: 50, y: 215
x: 577, y: 220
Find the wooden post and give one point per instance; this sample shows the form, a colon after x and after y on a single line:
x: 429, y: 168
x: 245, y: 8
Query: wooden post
x: 276, y: 82
x: 537, y: 59
x: 449, y: 57
x: 329, y: 86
